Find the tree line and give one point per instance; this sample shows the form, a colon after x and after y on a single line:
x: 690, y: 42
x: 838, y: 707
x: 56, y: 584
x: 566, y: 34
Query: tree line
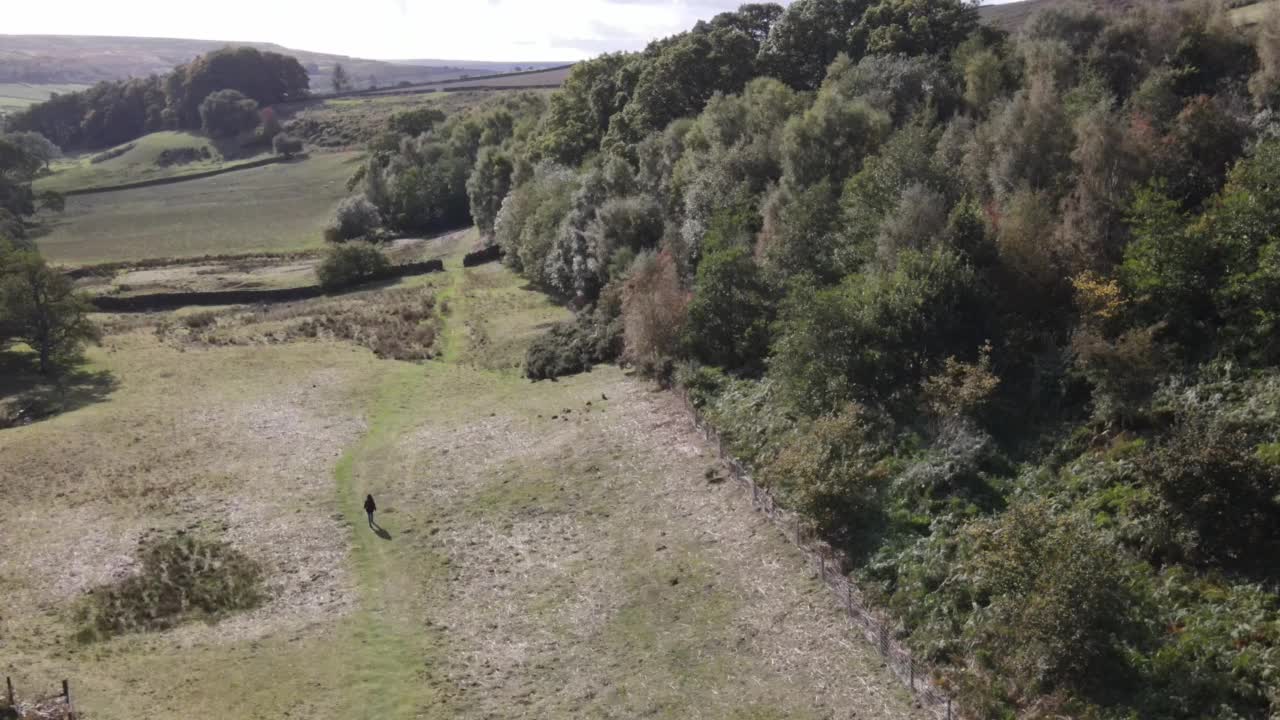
x: 997, y: 312
x: 110, y: 113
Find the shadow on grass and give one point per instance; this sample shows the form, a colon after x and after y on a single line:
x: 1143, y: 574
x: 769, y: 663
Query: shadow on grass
x: 379, y: 530
x: 26, y: 396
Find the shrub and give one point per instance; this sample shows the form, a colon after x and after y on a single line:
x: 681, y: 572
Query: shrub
x: 355, y: 217
x: 351, y: 264
x: 575, y: 346
x: 832, y: 471
x: 286, y: 145
x: 1058, y: 598
x: 182, y: 578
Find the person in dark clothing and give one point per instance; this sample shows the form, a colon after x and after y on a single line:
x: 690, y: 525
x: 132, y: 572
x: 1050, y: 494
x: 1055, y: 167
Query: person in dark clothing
x: 369, y: 507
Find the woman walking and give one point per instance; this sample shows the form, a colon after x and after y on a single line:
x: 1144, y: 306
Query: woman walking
x: 369, y: 507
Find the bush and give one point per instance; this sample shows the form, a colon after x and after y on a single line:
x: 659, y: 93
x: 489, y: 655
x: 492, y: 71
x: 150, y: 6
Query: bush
x: 286, y: 145
x: 182, y: 578
x: 575, y: 346
x: 351, y: 264
x: 355, y: 217
x: 832, y: 472
x: 1059, y: 601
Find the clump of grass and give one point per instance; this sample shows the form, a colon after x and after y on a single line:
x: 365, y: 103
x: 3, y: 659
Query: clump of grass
x: 402, y: 328
x: 183, y: 578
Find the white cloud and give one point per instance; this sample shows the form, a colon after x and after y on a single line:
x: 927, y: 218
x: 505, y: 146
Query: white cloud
x: 454, y: 29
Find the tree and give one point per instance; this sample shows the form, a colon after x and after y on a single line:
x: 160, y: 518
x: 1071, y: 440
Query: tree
x: 808, y: 36
x: 228, y: 113
x: 355, y: 217
x: 488, y: 185
x: 43, y: 309
x: 731, y: 308
x: 340, y: 81
x: 35, y: 145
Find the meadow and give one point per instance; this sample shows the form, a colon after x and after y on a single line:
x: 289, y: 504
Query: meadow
x: 275, y: 208
x: 549, y: 550
x: 17, y: 96
x: 142, y: 160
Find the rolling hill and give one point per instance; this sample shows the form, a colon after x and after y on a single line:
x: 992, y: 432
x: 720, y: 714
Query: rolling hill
x: 37, y: 60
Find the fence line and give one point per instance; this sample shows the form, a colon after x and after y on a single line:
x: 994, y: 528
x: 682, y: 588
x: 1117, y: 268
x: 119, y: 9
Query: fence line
x: 830, y: 565
x: 52, y: 707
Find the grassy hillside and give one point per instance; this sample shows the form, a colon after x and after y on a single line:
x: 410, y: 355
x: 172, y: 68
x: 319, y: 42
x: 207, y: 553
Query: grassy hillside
x: 549, y: 550
x: 279, y: 207
x: 147, y: 158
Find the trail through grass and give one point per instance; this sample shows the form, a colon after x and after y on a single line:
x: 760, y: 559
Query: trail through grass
x: 550, y: 550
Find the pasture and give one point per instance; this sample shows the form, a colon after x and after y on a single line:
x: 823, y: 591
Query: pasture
x: 18, y: 96
x: 269, y: 209
x: 550, y: 550
x: 147, y: 158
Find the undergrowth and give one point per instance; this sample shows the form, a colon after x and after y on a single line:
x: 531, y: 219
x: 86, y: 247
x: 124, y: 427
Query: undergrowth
x: 182, y: 578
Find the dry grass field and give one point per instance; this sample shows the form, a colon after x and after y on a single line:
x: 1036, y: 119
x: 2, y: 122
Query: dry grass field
x: 550, y: 550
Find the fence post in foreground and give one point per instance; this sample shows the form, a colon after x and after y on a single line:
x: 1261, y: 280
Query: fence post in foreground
x: 948, y: 708
x: 66, y: 692
x: 8, y: 681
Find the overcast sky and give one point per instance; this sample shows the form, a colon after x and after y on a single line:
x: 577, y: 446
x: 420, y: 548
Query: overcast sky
x: 454, y: 29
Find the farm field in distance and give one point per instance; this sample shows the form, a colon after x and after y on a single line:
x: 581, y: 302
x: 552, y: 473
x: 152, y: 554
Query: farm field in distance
x: 16, y: 96
x: 274, y: 208
x: 140, y: 160
x: 551, y: 550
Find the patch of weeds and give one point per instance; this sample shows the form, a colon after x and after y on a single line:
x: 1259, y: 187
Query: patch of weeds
x: 182, y: 579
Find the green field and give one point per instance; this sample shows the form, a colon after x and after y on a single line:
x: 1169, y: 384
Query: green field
x: 551, y: 550
x: 139, y: 161
x: 1252, y: 14
x: 273, y: 208
x: 17, y: 96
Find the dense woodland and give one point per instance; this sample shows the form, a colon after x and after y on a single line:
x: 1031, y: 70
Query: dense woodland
x: 111, y: 113
x: 997, y: 312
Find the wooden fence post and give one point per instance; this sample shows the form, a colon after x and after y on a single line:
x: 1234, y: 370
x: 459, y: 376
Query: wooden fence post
x: 66, y: 692
x: 948, y: 708
x: 8, y: 681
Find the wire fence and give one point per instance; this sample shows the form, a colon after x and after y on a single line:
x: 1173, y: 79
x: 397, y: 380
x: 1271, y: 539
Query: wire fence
x: 829, y: 564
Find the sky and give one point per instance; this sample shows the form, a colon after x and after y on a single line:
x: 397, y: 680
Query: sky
x: 498, y: 30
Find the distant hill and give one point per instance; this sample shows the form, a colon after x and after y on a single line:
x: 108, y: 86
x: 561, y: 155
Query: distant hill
x: 1012, y: 16
x: 68, y: 59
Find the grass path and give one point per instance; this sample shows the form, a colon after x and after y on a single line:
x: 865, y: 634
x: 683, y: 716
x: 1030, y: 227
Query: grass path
x: 554, y: 550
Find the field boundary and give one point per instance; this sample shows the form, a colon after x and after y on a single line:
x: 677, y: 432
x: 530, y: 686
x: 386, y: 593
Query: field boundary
x: 831, y: 565
x: 173, y: 179
x: 157, y: 302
